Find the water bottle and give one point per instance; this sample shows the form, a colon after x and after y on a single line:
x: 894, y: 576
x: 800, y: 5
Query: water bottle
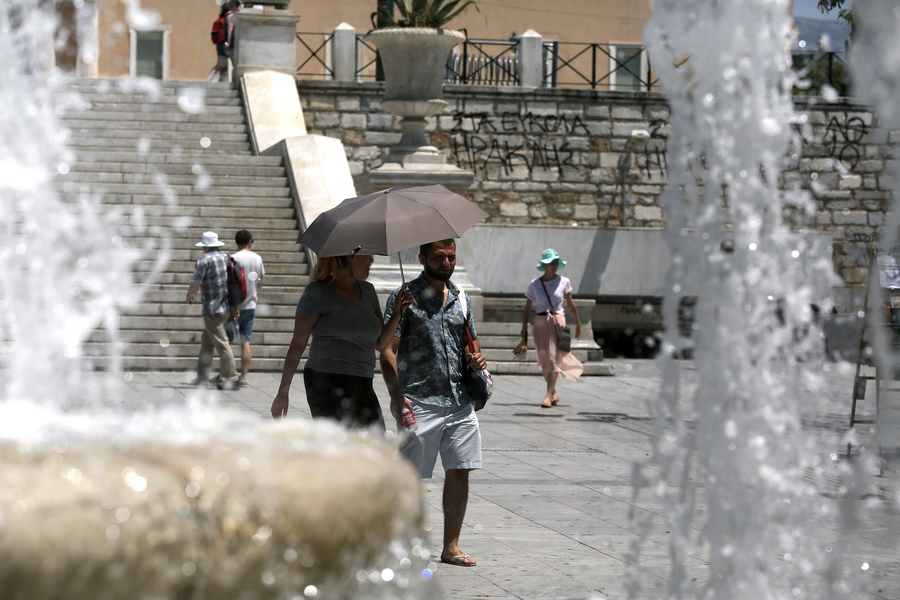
x: 409, y: 421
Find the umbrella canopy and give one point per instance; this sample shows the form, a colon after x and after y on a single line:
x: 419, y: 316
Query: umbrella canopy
x: 390, y: 221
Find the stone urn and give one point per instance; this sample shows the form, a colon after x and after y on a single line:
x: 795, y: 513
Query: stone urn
x: 415, y: 61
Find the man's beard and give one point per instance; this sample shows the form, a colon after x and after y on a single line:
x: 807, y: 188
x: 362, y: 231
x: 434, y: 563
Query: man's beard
x: 445, y: 277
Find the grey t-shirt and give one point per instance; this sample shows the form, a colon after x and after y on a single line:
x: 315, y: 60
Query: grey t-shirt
x: 344, y: 334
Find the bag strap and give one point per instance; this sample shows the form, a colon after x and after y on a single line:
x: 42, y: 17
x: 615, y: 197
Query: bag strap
x: 550, y: 302
x: 464, y: 305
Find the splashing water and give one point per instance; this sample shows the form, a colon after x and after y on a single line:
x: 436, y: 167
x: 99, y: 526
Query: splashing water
x: 739, y: 475
x: 185, y: 502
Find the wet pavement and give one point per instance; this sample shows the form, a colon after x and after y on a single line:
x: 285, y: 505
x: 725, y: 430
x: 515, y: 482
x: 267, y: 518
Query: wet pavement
x: 553, y: 513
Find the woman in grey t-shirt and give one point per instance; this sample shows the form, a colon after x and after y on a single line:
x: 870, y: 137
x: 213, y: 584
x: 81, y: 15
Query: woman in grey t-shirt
x: 341, y: 312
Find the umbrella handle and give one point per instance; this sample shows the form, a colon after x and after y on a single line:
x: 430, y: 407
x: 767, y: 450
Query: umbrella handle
x: 402, y: 276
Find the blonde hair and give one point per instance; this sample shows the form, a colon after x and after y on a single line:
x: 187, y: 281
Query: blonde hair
x: 327, y: 266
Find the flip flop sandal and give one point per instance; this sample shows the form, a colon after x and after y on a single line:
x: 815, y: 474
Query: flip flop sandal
x: 458, y: 561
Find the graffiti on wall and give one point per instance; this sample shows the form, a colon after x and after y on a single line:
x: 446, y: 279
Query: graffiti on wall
x: 842, y: 139
x: 539, y: 141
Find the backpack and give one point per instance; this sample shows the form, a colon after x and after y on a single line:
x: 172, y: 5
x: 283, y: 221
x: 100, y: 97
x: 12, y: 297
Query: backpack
x: 219, y: 31
x: 237, y: 284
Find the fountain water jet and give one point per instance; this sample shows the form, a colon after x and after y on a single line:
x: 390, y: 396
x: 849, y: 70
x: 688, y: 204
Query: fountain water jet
x: 744, y: 484
x: 187, y: 502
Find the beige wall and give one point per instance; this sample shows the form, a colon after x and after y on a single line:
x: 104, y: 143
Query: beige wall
x: 192, y: 54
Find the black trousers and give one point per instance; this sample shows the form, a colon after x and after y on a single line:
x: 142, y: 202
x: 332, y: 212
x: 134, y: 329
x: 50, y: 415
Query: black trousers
x: 346, y: 398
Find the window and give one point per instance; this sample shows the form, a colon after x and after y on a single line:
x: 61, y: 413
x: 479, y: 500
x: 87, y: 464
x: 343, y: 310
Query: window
x: 627, y: 67
x: 150, y: 53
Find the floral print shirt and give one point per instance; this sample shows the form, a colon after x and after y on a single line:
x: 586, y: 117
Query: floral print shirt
x: 431, y: 355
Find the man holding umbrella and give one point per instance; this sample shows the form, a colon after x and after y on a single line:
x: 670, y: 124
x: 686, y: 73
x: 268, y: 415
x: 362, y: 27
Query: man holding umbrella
x: 429, y: 347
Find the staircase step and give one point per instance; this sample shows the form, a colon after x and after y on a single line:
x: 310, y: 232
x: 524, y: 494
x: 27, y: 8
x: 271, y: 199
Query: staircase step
x: 193, y: 156
x: 184, y: 168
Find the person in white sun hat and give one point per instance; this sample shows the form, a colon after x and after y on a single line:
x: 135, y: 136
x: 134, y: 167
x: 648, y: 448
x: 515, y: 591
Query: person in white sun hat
x: 211, y: 279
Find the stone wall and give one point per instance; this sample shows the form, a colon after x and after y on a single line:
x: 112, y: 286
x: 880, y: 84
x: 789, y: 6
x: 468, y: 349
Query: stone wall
x: 559, y: 157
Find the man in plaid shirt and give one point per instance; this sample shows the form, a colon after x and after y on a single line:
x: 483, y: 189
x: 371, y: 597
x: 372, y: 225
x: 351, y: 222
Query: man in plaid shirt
x: 211, y: 279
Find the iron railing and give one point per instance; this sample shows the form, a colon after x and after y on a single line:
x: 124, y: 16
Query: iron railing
x: 483, y: 62
x: 319, y: 62
x: 598, y: 66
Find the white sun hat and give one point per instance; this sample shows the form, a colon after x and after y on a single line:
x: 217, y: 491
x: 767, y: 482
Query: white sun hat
x: 210, y: 240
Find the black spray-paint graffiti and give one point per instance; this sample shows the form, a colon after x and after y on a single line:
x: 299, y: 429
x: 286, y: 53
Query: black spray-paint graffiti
x: 474, y: 146
x: 842, y: 139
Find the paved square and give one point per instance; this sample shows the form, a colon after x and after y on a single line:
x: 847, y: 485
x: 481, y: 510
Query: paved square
x: 550, y: 514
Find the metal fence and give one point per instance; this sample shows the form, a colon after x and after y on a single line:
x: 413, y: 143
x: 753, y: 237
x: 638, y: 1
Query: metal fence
x: 495, y: 62
x: 621, y: 67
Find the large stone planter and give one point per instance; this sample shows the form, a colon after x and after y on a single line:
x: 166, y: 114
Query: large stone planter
x: 415, y: 61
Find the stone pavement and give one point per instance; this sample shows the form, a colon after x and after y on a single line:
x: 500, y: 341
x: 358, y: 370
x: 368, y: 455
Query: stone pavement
x: 549, y: 515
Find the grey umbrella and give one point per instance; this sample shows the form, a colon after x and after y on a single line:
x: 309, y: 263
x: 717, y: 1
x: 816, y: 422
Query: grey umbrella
x: 391, y: 220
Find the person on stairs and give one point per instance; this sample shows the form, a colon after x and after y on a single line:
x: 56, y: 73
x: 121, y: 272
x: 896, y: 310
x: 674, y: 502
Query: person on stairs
x: 211, y: 279
x: 254, y: 270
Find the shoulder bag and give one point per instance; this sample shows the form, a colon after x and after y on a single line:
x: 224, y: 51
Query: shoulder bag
x: 479, y: 384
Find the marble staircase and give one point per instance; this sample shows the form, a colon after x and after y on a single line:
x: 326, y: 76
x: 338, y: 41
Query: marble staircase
x: 179, y: 173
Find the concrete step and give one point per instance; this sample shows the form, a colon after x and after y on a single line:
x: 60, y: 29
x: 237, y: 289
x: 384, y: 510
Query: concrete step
x: 225, y: 180
x: 184, y: 279
x: 270, y: 257
x: 187, y: 237
x: 187, y: 266
x: 144, y: 109
x: 264, y: 246
x: 269, y: 295
x: 185, y: 168
x: 184, y: 156
x: 171, y: 135
x: 180, y: 309
x: 160, y: 204
x: 147, y: 145
x: 174, y: 124
x: 178, y: 190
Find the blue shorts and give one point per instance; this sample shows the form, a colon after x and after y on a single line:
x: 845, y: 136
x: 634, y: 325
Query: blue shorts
x: 452, y: 431
x: 244, y: 325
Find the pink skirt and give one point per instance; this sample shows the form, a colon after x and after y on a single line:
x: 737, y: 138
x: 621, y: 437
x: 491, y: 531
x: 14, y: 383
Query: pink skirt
x: 549, y: 357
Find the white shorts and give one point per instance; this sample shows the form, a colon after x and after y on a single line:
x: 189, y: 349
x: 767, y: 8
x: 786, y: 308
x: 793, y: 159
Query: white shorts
x: 451, y: 430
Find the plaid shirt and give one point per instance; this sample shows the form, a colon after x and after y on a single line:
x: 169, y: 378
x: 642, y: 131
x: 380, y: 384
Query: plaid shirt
x: 211, y: 273
x: 432, y: 345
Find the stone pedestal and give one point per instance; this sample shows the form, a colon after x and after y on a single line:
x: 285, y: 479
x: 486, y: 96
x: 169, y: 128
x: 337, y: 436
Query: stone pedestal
x: 414, y: 61
x: 265, y: 39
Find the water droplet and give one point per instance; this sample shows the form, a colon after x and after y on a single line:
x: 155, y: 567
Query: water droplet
x: 865, y: 566
x: 242, y: 464
x: 795, y: 254
x: 310, y: 591
x: 122, y: 514
x: 20, y: 249
x: 188, y: 569
x: 205, y: 142
x: 192, y: 490
x: 387, y: 575
x: 752, y: 246
x: 268, y: 578
x: 164, y: 342
x: 63, y: 168
x: 427, y: 574
x: 813, y: 176
x: 112, y: 532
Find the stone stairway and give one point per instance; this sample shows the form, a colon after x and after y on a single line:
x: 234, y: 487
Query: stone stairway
x: 180, y: 174
x: 175, y: 173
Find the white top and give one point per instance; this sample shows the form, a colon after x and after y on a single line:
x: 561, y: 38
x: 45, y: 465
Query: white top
x: 253, y: 273
x: 557, y: 288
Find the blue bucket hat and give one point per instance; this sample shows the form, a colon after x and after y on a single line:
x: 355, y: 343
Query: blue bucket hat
x: 547, y: 257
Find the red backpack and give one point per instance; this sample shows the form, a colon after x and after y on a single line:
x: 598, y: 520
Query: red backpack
x: 219, y: 31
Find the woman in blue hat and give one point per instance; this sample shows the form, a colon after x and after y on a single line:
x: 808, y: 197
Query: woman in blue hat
x: 549, y: 293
